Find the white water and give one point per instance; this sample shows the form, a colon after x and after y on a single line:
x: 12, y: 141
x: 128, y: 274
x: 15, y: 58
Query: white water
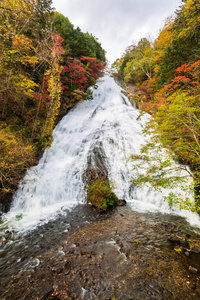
x: 56, y: 182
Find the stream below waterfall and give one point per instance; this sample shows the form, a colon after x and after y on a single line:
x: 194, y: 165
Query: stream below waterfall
x: 55, y: 247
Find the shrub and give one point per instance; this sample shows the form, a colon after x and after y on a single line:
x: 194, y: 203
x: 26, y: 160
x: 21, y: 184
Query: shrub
x: 100, y: 194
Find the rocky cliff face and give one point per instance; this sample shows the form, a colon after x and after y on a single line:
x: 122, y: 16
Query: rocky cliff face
x: 96, y: 172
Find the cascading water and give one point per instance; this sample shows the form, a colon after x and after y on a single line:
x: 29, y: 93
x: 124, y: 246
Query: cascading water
x: 56, y: 183
x: 68, y: 246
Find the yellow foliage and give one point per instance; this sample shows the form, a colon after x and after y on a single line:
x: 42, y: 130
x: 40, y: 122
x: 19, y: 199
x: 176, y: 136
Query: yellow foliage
x: 14, y: 15
x: 15, y: 157
x: 16, y: 48
x: 178, y: 249
x: 24, y: 50
x: 22, y: 43
x: 25, y: 84
x: 78, y: 94
x: 164, y: 39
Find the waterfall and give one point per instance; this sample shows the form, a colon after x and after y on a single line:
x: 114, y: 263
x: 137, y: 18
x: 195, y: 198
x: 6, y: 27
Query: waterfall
x: 56, y: 183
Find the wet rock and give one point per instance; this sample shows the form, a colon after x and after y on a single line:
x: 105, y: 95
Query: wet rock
x: 96, y: 165
x: 111, y: 259
x: 68, y: 265
x: 8, y: 234
x: 57, y: 270
x: 54, y: 269
x: 31, y: 280
x: 193, y: 285
x: 2, y: 209
x: 193, y: 270
x: 178, y: 240
x: 19, y: 217
x: 121, y: 202
x: 5, y: 203
x: 97, y: 171
x: 48, y: 296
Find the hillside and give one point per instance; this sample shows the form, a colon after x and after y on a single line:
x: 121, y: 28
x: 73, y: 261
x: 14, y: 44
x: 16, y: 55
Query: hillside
x: 167, y: 72
x: 46, y: 67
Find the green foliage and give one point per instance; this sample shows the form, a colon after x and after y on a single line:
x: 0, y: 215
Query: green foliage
x: 185, y: 43
x: 89, y: 95
x: 159, y: 168
x: 76, y: 42
x: 183, y: 202
x: 179, y: 126
x: 137, y: 63
x: 157, y: 165
x: 100, y: 194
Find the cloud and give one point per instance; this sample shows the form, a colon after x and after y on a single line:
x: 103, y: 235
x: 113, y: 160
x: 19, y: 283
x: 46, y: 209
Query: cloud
x: 116, y: 23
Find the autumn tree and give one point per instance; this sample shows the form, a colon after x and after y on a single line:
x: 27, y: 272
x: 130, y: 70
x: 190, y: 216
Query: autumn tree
x: 185, y: 45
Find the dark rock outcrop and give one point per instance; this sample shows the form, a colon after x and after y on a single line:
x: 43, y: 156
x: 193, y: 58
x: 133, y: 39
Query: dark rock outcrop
x: 96, y: 165
x: 96, y: 172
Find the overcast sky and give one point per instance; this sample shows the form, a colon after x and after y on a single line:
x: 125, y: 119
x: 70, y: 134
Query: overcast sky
x: 117, y: 23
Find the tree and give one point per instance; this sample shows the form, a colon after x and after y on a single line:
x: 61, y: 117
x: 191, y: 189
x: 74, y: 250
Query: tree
x: 136, y: 64
x: 54, y: 86
x: 185, y: 43
x: 159, y: 167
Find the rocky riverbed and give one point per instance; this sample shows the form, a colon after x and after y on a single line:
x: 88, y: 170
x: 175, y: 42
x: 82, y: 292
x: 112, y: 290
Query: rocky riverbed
x: 118, y: 255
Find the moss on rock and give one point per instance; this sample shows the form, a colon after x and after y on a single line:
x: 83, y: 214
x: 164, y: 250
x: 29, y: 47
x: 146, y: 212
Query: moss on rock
x: 100, y: 195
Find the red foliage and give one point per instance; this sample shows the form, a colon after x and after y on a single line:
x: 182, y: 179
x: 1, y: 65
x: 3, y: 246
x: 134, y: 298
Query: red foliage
x: 190, y: 73
x: 94, y: 67
x: 184, y: 68
x: 189, y: 67
x: 187, y: 79
x: 181, y: 79
x: 79, y: 75
x: 88, y: 58
x: 73, y: 76
x: 57, y: 44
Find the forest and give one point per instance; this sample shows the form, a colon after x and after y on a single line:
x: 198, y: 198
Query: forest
x: 167, y: 73
x: 46, y: 67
